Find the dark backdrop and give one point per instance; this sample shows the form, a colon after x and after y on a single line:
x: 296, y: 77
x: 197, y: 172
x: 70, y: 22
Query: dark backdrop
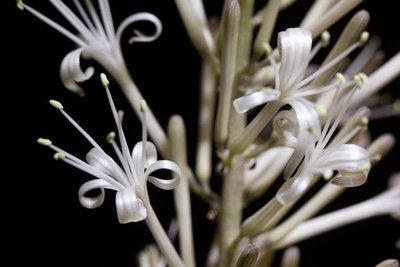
x: 45, y: 224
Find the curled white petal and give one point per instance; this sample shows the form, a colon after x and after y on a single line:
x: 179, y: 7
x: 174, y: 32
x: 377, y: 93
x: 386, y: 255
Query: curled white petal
x: 346, y: 157
x: 295, y: 49
x: 150, y: 156
x: 247, y: 102
x: 97, y: 201
x: 164, y: 165
x: 107, y: 165
x: 350, y: 179
x: 139, y: 36
x: 293, y: 189
x: 71, y: 72
x: 129, y: 207
x: 308, y: 132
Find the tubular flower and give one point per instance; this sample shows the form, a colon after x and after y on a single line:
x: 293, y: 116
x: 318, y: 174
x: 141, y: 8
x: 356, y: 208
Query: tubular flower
x: 96, y: 38
x: 129, y: 179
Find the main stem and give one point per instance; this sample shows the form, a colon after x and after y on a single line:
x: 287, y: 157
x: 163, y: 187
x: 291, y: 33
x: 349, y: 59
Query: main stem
x: 231, y: 209
x: 161, y: 238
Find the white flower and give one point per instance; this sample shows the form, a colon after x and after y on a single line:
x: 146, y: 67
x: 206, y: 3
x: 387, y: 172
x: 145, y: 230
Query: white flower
x: 96, y: 38
x: 129, y: 179
x: 325, y: 157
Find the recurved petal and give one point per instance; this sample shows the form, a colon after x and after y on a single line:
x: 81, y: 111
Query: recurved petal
x: 346, y: 158
x: 349, y: 179
x: 295, y: 49
x: 293, y: 189
x: 129, y: 207
x: 252, y: 100
x: 71, y: 72
x: 149, y: 158
x: 163, y: 183
x: 96, y: 201
x: 139, y: 36
x: 308, y: 132
x: 106, y: 164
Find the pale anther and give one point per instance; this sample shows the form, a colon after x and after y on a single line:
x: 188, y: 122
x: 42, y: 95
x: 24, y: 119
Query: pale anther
x: 44, y: 142
x: 56, y: 104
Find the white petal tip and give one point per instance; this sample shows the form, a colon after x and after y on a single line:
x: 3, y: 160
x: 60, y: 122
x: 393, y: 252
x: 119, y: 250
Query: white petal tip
x: 56, y: 104
x: 20, y: 4
x: 44, y: 142
x: 58, y: 156
x: 104, y: 80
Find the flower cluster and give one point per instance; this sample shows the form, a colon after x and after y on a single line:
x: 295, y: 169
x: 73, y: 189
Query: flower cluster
x: 265, y: 113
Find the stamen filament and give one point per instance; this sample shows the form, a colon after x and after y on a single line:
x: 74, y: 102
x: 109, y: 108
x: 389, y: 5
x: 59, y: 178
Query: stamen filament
x: 56, y: 26
x: 74, y: 20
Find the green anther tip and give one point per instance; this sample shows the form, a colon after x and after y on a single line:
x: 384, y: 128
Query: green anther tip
x: 44, y: 142
x: 325, y: 38
x: 364, y: 122
x: 56, y: 104
x: 267, y: 48
x: 143, y: 106
x: 327, y: 175
x: 58, y: 156
x: 267, y: 89
x: 20, y: 4
x: 110, y: 137
x: 340, y: 77
x: 104, y: 79
x: 321, y: 110
x: 364, y: 37
x: 361, y: 79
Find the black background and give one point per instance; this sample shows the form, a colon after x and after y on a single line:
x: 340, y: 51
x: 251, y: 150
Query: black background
x: 45, y: 224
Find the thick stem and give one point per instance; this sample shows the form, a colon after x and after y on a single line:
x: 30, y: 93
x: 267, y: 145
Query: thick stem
x: 231, y: 209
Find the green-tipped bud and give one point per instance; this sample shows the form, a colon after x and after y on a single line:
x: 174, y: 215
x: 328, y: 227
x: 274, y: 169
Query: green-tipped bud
x: 325, y: 38
x: 58, y: 156
x: 143, y: 106
x: 110, y: 137
x: 267, y: 48
x: 44, y: 142
x: 364, y: 37
x: 20, y: 4
x: 361, y: 79
x: 56, y: 104
x: 104, y: 80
